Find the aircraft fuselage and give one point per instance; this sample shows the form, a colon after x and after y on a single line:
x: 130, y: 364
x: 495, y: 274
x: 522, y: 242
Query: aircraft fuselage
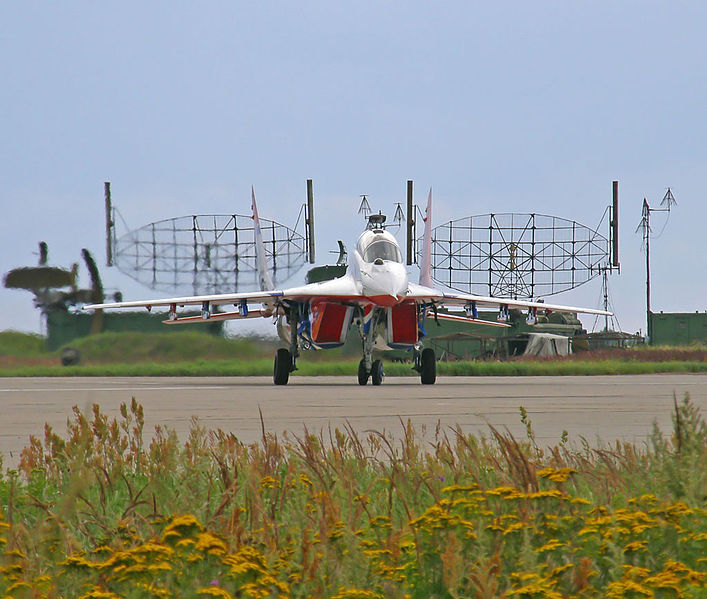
x: 377, y: 265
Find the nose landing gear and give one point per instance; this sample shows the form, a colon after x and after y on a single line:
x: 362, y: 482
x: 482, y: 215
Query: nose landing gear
x: 376, y: 373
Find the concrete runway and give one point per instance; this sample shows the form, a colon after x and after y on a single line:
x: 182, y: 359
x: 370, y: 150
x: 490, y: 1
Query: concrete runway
x: 599, y: 407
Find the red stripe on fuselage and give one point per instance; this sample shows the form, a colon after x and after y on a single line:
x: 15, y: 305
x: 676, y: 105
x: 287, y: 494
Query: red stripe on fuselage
x: 385, y: 300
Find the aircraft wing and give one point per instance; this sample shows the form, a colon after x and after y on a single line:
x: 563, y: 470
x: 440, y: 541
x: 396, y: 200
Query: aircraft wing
x: 452, y: 299
x: 343, y: 289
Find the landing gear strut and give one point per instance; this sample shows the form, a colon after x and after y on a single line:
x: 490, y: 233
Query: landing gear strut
x: 286, y: 359
x: 367, y: 367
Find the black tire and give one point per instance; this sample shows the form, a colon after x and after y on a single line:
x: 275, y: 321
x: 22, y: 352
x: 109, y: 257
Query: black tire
x: 377, y: 372
x: 362, y: 373
x: 428, y: 366
x: 283, y: 363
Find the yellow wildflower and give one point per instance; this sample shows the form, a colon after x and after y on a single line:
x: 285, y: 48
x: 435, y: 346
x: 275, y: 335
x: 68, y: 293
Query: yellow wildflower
x: 337, y: 530
x: 268, y: 482
x: 210, y: 543
x: 381, y: 522
x: 510, y: 492
x: 515, y: 527
x: 354, y: 593
x: 580, y: 500
x: 472, y: 488
x: 551, y: 545
x: 619, y: 589
x: 78, y: 561
x: 98, y: 593
x: 181, y: 526
x: 538, y: 589
x: 646, y: 498
x: 556, y: 475
x: 150, y: 547
x: 20, y: 584
x: 665, y: 580
x: 214, y: 591
x: 542, y: 494
x: 555, y: 572
x: 635, y: 546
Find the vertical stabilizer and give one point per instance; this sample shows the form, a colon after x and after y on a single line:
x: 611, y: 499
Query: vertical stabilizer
x: 426, y: 258
x: 264, y: 278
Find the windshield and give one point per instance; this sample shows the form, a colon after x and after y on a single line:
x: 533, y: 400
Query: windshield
x: 385, y: 250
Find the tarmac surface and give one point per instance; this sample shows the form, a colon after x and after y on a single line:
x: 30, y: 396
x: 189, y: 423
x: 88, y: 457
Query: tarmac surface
x: 601, y: 409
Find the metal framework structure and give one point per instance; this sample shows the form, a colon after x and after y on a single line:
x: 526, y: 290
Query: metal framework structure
x: 207, y: 253
x: 516, y: 255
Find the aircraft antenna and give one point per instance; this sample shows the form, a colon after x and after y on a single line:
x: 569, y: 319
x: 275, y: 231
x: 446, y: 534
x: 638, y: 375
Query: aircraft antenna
x: 365, y: 207
x: 399, y: 216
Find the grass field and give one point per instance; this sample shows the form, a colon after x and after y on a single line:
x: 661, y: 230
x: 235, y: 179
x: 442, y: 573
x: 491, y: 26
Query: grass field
x: 95, y: 512
x: 198, y: 354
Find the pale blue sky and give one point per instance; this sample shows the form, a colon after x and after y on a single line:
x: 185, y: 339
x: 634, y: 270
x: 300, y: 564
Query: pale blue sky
x: 503, y: 107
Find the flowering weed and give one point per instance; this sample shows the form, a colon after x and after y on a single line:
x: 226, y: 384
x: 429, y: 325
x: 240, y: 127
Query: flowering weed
x: 97, y: 513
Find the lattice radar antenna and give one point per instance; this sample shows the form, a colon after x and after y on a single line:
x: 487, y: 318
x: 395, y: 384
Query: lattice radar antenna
x: 517, y: 255
x: 207, y: 253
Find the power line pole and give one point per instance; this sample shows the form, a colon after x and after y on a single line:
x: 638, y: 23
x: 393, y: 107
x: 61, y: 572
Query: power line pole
x: 645, y: 225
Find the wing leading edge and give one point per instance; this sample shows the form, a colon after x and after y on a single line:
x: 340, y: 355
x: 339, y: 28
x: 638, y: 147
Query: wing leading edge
x: 451, y: 299
x: 344, y: 289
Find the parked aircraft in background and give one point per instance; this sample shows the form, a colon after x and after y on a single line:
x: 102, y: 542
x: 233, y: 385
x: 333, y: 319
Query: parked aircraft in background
x: 375, y: 295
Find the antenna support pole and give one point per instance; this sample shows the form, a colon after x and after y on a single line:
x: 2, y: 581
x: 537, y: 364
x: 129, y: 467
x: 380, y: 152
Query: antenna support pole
x: 410, y: 225
x: 110, y: 225
x: 647, y: 237
x: 310, y: 220
x: 615, y: 225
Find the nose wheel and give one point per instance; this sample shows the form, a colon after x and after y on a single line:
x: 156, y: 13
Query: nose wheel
x: 363, y: 373
x: 376, y: 373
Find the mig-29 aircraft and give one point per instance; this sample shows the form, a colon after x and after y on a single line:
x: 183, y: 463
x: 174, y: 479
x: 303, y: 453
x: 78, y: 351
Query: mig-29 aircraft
x: 375, y: 295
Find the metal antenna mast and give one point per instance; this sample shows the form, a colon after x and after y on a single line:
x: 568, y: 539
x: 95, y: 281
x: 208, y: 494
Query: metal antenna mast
x: 364, y: 208
x: 645, y: 225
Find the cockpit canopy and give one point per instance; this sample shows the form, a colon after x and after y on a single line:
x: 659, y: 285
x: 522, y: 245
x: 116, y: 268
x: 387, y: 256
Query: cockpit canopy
x: 383, y: 249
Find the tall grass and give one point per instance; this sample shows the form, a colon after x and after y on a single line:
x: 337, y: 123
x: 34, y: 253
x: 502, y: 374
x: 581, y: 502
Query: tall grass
x: 264, y: 367
x: 97, y: 512
x: 199, y: 354
x: 130, y: 347
x: 14, y: 343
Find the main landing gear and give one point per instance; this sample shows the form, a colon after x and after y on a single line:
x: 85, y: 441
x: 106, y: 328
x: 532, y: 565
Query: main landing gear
x: 283, y: 366
x: 286, y: 359
x: 426, y: 365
